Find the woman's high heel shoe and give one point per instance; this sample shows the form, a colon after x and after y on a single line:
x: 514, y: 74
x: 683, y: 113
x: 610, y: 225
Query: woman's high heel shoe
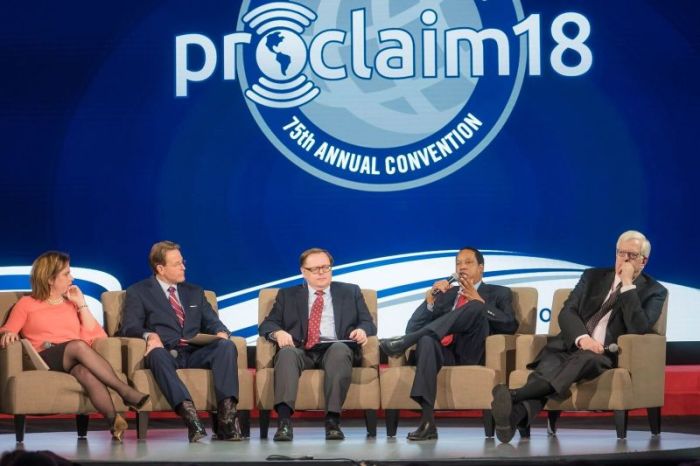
x: 139, y: 404
x: 119, y: 426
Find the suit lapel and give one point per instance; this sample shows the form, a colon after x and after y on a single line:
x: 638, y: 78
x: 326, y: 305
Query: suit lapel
x: 599, y: 293
x: 302, y: 301
x: 184, y: 302
x: 337, y: 298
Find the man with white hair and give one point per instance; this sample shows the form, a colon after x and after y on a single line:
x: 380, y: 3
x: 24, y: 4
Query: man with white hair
x: 605, y: 304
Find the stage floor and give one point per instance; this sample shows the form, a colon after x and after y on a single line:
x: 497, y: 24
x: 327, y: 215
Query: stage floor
x: 456, y: 443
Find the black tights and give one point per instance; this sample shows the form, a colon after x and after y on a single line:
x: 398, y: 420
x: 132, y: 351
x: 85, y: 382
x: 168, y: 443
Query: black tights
x: 95, y: 374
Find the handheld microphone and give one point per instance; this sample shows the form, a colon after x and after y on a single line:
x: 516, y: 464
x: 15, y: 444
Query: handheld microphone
x: 612, y: 348
x: 450, y: 280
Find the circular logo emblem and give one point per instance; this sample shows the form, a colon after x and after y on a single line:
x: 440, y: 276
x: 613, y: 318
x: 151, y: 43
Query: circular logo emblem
x: 377, y: 95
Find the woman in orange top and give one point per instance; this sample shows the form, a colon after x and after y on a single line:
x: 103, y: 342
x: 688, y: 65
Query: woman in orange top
x: 58, y: 323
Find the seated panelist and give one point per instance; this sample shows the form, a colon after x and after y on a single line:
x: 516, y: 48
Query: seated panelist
x: 301, y: 318
x: 167, y: 311
x: 58, y: 323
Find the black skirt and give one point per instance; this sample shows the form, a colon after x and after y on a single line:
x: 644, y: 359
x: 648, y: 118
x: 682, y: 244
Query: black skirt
x: 54, y: 356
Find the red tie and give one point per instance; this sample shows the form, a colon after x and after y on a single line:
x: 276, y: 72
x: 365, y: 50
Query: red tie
x: 179, y: 312
x: 448, y: 339
x: 314, y: 334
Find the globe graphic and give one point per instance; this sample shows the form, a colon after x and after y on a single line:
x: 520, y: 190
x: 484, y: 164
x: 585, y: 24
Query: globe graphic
x: 281, y: 55
x: 380, y: 112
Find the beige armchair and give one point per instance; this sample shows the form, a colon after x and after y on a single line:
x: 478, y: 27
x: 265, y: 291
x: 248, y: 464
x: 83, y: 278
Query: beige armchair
x: 199, y: 382
x: 461, y: 387
x: 364, y: 387
x: 637, y: 382
x: 23, y: 389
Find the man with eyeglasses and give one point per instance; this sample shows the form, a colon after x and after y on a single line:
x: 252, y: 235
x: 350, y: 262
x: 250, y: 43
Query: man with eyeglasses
x: 605, y: 304
x: 301, y: 319
x: 167, y: 311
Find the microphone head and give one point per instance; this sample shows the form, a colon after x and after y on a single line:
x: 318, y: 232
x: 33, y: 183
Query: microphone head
x: 613, y: 348
x: 453, y: 278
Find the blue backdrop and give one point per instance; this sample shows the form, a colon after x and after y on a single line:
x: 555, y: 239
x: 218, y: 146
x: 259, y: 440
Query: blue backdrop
x: 101, y: 159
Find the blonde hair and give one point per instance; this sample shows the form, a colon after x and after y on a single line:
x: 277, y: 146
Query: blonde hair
x: 45, y: 268
x: 158, y: 252
x: 634, y: 234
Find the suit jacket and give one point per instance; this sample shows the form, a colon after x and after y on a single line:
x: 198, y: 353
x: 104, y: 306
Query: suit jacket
x: 498, y: 308
x: 635, y: 311
x: 147, y: 309
x: 290, y: 312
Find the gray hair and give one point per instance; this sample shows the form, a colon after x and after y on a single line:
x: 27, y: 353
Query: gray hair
x: 633, y: 234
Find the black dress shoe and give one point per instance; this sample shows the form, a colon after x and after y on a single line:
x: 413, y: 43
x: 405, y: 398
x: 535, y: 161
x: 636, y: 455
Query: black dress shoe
x: 284, y: 433
x: 427, y: 430
x: 393, y: 346
x: 333, y: 431
x: 501, y: 407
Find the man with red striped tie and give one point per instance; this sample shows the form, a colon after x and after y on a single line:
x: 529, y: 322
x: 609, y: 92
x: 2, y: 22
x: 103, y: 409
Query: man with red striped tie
x: 301, y: 318
x: 167, y: 311
x: 450, y: 328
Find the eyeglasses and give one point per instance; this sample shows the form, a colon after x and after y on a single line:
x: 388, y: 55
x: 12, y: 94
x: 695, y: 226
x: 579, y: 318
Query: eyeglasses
x: 177, y: 264
x: 319, y: 269
x: 633, y: 256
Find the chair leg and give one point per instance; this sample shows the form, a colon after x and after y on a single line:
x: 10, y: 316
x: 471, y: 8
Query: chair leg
x: 371, y: 422
x: 214, y: 422
x: 621, y: 423
x: 81, y: 423
x: 141, y: 425
x: 264, y: 422
x: 552, y: 417
x: 244, y: 420
x: 392, y: 421
x: 489, y: 423
x: 20, y: 425
x: 654, y: 415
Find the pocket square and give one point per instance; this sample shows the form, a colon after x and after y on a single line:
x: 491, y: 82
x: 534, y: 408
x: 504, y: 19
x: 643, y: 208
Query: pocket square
x: 193, y: 305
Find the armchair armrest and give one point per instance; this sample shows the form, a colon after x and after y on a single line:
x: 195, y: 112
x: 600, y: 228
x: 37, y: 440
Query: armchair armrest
x: 10, y: 360
x: 110, y: 349
x: 527, y: 347
x: 133, y: 351
x: 398, y: 361
x: 500, y: 355
x: 645, y: 358
x: 264, y: 353
x: 370, y: 353
x: 10, y: 365
x: 242, y: 350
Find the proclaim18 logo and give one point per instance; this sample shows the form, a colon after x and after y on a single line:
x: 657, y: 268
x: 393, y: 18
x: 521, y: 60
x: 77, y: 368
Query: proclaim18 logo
x: 380, y: 95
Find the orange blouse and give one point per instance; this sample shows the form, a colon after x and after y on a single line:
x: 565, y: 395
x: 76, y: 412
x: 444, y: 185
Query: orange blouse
x: 40, y: 322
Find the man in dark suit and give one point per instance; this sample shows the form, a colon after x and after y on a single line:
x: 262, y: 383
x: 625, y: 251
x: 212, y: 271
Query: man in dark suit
x: 450, y: 328
x: 301, y: 318
x: 605, y: 304
x: 167, y: 311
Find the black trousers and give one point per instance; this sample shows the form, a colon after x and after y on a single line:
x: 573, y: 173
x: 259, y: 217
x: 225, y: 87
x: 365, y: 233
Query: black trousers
x: 220, y: 356
x: 562, y: 370
x: 470, y: 328
x: 336, y: 362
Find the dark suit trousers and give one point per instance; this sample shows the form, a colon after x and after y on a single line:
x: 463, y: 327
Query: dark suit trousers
x: 470, y: 328
x: 336, y: 362
x: 220, y: 356
x: 563, y: 369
